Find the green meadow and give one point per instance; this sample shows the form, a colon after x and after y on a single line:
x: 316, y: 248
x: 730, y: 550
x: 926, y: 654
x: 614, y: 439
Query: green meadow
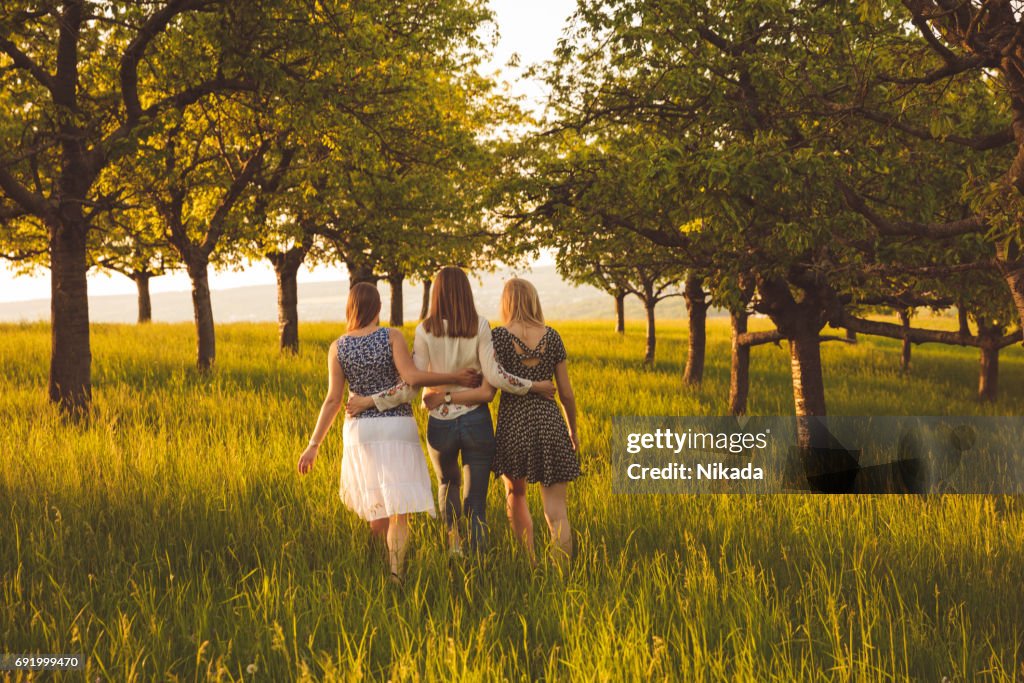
x: 170, y: 538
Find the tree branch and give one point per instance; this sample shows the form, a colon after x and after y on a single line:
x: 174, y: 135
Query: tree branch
x: 25, y: 63
x: 981, y: 143
x: 1010, y: 339
x: 911, y: 334
x: 34, y: 203
x: 128, y: 71
x: 219, y: 220
x: 966, y: 226
x: 957, y: 66
x: 180, y: 100
x: 933, y: 41
x: 936, y: 271
x: 23, y: 255
x: 758, y: 338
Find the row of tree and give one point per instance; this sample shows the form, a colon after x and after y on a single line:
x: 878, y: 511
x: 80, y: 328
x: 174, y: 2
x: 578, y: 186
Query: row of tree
x: 143, y: 137
x: 813, y: 162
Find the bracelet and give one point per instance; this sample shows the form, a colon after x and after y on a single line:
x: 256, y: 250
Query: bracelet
x: 315, y: 444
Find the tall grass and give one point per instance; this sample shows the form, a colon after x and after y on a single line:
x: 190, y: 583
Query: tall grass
x: 171, y: 539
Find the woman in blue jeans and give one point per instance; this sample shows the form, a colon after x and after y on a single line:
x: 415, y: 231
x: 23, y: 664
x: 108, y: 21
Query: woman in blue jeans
x: 460, y: 434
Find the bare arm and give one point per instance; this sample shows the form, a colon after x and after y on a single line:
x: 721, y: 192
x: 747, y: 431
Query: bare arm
x: 568, y: 400
x: 328, y: 410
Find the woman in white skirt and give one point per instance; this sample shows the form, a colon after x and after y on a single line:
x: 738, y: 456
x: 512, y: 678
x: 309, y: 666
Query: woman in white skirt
x: 383, y: 471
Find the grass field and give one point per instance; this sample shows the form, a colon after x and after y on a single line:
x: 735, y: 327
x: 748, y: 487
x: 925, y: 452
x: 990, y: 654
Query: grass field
x: 171, y: 539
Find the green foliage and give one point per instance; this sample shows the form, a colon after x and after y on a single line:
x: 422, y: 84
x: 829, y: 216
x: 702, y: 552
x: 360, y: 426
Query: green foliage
x: 731, y: 132
x: 388, y: 92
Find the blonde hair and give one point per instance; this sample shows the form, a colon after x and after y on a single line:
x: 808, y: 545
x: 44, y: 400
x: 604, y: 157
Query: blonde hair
x: 520, y: 302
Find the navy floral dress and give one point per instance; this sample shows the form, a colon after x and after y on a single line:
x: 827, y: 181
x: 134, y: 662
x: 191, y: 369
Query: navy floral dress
x: 370, y: 368
x: 533, y: 439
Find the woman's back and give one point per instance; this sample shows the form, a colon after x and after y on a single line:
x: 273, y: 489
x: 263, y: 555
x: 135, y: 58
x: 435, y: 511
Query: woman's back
x: 534, y: 357
x: 448, y: 354
x: 369, y: 367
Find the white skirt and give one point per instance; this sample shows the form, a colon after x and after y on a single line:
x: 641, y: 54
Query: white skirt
x: 383, y: 469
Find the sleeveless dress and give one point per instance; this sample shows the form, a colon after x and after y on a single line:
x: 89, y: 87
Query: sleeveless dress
x: 533, y: 439
x: 383, y: 470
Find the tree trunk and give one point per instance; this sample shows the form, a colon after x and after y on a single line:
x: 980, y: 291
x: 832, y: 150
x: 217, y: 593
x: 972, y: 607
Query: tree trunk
x: 1014, y: 278
x: 851, y: 336
x: 361, y: 273
x: 808, y: 382
x: 620, y: 312
x: 739, y: 375
x: 397, y: 299
x: 988, y: 369
x: 962, y: 324
x: 652, y: 337
x: 70, y: 352
x: 286, y: 268
x: 988, y: 375
x: 905, y: 352
x: 70, y: 383
x: 287, y: 305
x: 828, y: 465
x: 425, y: 306
x: 145, y: 303
x: 206, y: 351
x: 697, y: 307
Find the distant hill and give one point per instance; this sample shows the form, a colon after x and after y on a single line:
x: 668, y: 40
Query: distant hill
x: 326, y: 301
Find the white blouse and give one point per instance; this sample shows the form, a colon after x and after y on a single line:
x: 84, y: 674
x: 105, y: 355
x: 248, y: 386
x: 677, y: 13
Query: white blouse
x: 451, y: 354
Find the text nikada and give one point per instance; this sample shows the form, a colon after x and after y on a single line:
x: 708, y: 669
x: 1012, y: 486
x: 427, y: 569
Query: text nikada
x: 719, y: 471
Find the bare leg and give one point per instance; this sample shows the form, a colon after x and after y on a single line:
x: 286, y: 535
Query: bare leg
x: 379, y: 528
x: 398, y: 541
x: 378, y: 538
x: 454, y: 541
x: 519, y: 513
x: 557, y: 515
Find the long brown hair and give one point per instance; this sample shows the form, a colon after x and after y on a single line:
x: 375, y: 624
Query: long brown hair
x: 451, y: 301
x: 363, y: 305
x: 520, y: 302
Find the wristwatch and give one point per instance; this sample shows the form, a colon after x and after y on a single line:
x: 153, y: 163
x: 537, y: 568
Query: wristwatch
x: 447, y: 398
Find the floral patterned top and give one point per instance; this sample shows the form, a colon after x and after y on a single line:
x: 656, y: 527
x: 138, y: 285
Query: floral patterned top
x: 369, y: 367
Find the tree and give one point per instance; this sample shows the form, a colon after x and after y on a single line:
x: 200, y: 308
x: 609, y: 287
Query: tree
x: 622, y: 262
x: 79, y: 88
x: 86, y: 84
x: 285, y: 236
x: 195, y: 172
x: 757, y: 149
x: 583, y: 197
x: 972, y: 42
x: 134, y: 251
x: 406, y: 209
x: 697, y: 305
x: 722, y: 84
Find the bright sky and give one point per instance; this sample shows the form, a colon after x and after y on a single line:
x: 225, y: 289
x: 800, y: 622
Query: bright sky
x: 529, y: 28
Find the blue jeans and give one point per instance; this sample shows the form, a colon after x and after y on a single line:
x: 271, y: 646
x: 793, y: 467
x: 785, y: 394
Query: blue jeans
x: 473, y: 435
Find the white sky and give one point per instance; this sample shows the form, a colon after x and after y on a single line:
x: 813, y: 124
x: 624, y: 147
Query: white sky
x: 529, y: 28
